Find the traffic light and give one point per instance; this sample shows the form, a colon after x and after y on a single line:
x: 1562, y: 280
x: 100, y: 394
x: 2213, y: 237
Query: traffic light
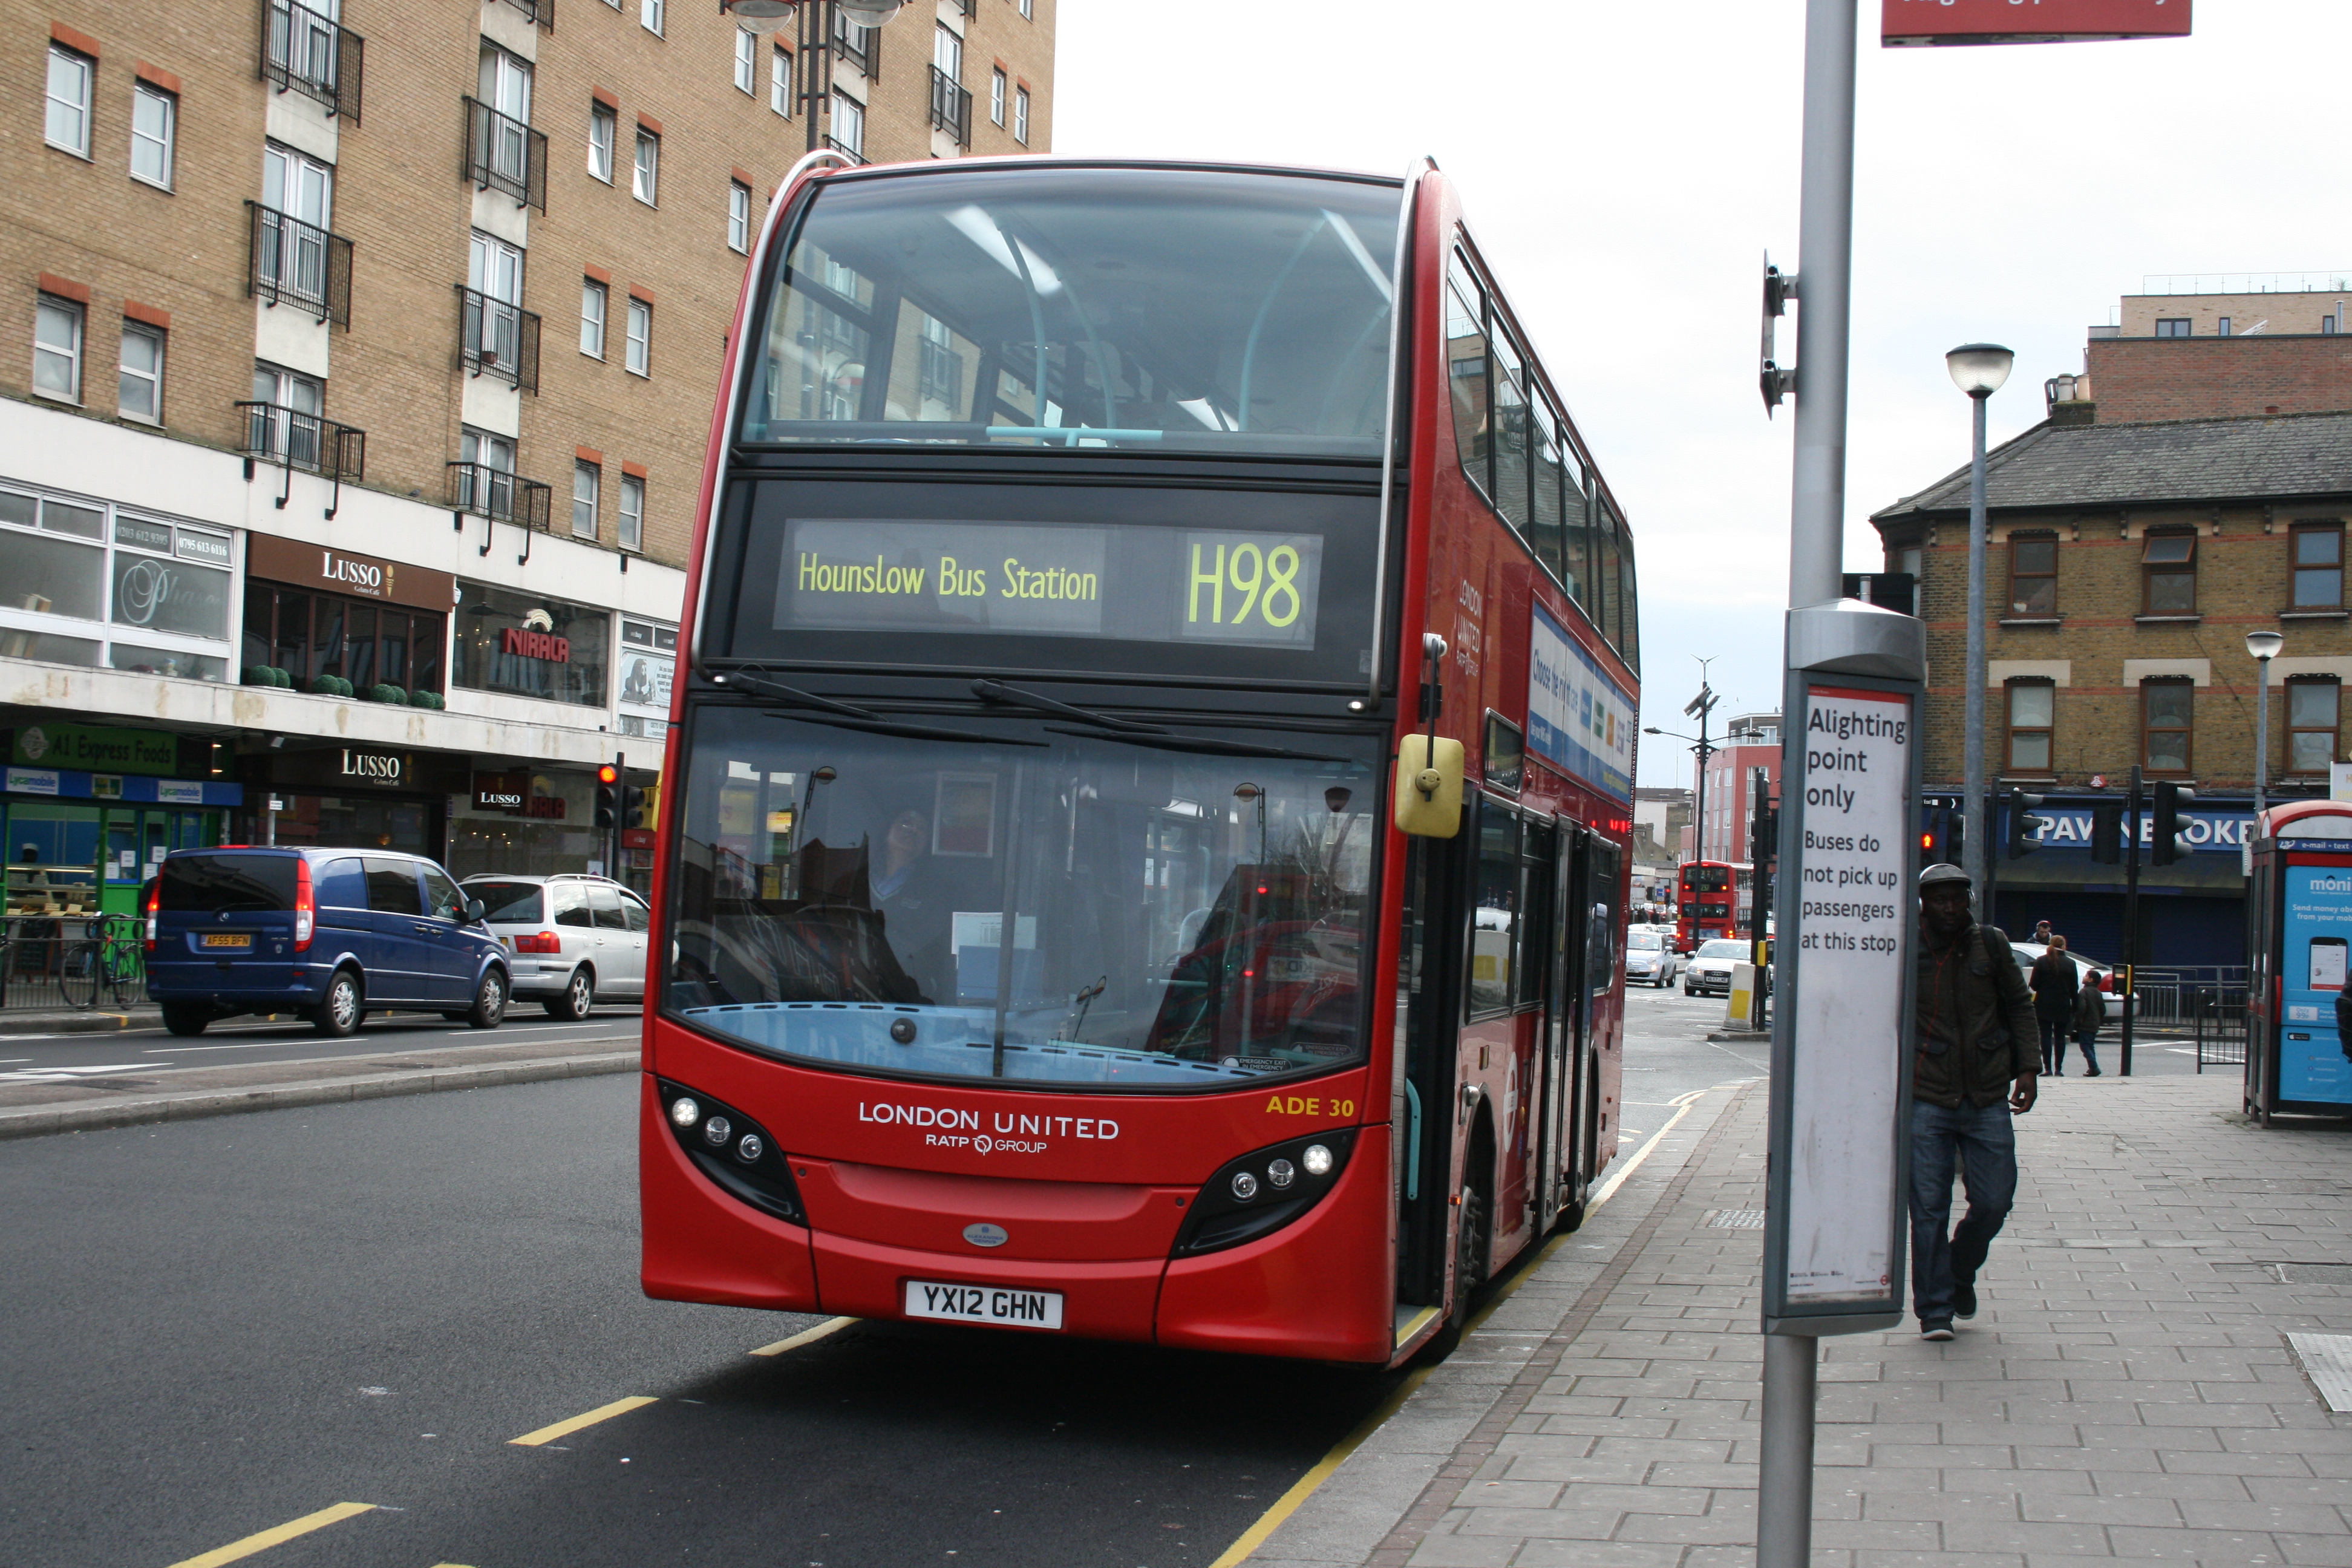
x: 608, y: 795
x: 637, y: 810
x: 2107, y: 834
x: 2170, y: 843
x: 1943, y: 834
x: 2022, y: 824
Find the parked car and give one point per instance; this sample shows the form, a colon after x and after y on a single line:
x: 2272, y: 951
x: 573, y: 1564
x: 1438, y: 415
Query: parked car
x: 571, y: 939
x: 1650, y: 958
x: 329, y: 935
x: 1710, y: 966
x: 2027, y: 952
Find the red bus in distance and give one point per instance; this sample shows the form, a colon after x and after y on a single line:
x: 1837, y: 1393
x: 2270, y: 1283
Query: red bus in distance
x: 1717, y: 899
x: 1045, y: 935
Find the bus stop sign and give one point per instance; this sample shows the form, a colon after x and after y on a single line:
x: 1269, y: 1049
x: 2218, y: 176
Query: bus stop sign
x: 1910, y: 22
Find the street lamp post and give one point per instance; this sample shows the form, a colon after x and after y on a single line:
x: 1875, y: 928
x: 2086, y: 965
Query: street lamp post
x: 1705, y: 748
x: 2264, y: 646
x: 1979, y: 370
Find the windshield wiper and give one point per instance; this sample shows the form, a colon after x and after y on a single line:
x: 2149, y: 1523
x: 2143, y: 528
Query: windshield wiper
x: 759, y: 686
x: 1166, y: 741
x: 1014, y: 696
x: 877, y: 725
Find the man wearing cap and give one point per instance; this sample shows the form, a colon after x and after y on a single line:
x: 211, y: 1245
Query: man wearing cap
x: 1977, y: 1062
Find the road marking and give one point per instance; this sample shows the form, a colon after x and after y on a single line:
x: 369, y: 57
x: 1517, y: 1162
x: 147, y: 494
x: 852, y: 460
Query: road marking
x: 59, y: 1075
x: 1289, y: 1502
x: 546, y: 1435
x: 805, y: 1337
x: 277, y: 1536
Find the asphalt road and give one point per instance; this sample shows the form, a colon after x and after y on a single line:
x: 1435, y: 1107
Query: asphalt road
x: 49, y: 1058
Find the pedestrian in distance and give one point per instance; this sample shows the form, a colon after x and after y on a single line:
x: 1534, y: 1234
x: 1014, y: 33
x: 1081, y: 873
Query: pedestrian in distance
x: 2041, y: 933
x: 1975, y: 1069
x: 2054, y: 985
x: 2090, y: 1012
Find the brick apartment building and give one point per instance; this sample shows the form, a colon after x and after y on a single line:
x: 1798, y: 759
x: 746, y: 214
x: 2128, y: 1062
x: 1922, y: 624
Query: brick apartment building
x: 2134, y: 539
x: 1751, y: 747
x: 354, y: 391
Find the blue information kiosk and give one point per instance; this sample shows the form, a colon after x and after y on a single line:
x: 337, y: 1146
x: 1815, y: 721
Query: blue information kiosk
x: 2299, y: 915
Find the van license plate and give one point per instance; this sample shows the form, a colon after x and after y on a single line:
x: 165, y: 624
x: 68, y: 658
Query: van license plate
x: 240, y: 940
x: 1003, y: 1306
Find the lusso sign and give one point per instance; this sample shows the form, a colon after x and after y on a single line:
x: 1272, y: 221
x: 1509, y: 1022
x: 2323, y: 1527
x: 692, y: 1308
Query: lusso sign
x: 373, y: 767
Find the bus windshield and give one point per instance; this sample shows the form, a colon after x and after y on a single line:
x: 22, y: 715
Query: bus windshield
x: 1706, y: 878
x: 1023, y: 904
x: 1159, y: 310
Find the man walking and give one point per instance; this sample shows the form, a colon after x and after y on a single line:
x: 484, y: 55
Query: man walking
x: 1975, y: 1067
x: 2090, y: 1013
x: 2054, y: 987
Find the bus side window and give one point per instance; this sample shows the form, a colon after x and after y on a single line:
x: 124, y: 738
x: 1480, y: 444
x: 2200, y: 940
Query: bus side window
x: 1466, y: 373
x: 1494, y: 923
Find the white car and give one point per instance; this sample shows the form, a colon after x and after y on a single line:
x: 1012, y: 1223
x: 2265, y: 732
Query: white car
x: 575, y: 940
x: 1650, y: 958
x: 1710, y: 966
x: 2027, y: 952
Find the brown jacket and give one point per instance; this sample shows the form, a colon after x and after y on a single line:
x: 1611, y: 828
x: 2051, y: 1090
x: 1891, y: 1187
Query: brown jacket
x: 1976, y: 1031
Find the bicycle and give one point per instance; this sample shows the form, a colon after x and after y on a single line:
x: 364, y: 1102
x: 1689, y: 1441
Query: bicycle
x: 111, y: 965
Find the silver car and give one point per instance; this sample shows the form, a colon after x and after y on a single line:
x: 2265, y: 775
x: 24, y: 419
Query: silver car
x: 1650, y: 959
x: 576, y: 939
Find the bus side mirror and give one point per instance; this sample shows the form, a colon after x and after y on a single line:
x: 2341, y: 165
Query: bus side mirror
x: 1429, y: 787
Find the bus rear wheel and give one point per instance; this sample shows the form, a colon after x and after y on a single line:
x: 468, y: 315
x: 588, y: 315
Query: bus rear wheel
x: 1470, y: 1248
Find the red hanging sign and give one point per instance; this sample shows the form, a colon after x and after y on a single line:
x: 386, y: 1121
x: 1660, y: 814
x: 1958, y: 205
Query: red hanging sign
x: 1905, y: 22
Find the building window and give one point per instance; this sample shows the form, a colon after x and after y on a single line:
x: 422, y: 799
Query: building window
x: 849, y: 125
x: 1021, y: 115
x: 650, y: 11
x: 68, y: 125
x: 2033, y: 576
x: 2166, y: 710
x: 947, y: 54
x: 641, y: 337
x: 2031, y: 707
x: 996, y: 98
x: 142, y: 387
x: 56, y: 349
x: 2312, y: 710
x: 2172, y: 327
x: 594, y: 298
x: 2168, y: 565
x: 647, y: 181
x: 780, y: 83
x: 569, y: 669
x: 632, y: 513
x: 2223, y: 328
x: 368, y: 642
x: 2318, y: 566
x: 738, y: 216
x: 165, y: 586
x: 601, y: 122
x: 155, y: 118
x: 747, y: 61
x: 586, y: 480
x: 291, y: 436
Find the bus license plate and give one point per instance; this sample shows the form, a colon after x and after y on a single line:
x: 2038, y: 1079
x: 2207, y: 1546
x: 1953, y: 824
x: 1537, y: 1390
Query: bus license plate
x: 1001, y: 1305
x: 240, y: 940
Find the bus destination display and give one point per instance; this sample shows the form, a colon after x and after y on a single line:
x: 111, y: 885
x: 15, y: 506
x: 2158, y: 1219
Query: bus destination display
x: 1130, y: 583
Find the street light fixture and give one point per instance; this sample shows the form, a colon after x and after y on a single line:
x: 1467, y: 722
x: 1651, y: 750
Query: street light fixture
x: 1979, y: 370
x: 758, y: 15
x: 2264, y: 646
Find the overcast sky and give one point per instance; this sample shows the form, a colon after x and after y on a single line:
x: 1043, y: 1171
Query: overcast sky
x: 1626, y: 165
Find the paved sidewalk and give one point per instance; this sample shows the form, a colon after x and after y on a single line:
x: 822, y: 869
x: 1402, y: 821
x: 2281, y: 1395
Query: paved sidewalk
x: 2126, y: 1391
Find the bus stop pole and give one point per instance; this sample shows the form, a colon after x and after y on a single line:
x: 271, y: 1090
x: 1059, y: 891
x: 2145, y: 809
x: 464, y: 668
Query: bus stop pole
x: 1784, y: 1514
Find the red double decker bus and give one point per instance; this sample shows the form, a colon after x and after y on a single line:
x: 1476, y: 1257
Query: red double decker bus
x: 1038, y: 944
x: 1717, y: 900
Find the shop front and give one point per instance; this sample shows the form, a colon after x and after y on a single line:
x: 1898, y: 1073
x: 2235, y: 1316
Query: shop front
x: 88, y: 812
x: 350, y: 796
x: 526, y: 823
x: 345, y: 624
x: 526, y: 644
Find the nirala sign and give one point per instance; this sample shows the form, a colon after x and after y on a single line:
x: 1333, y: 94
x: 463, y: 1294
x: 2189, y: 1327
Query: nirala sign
x: 1911, y: 22
x: 536, y: 645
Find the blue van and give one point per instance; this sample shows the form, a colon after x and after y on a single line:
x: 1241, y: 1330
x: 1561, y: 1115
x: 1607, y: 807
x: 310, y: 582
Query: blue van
x: 326, y: 934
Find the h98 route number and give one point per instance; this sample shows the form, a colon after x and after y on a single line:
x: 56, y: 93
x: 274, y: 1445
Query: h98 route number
x: 1250, y: 588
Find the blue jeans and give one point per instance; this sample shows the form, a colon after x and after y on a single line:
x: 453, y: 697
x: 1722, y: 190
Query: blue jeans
x: 1983, y: 1143
x: 2088, y: 1039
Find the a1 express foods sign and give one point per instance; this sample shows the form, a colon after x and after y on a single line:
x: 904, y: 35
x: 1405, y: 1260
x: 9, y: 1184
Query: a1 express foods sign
x: 1908, y: 22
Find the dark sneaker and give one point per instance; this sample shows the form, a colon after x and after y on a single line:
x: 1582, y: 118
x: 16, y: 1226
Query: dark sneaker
x: 2095, y: 1073
x: 1964, y: 1301
x: 1936, y: 1329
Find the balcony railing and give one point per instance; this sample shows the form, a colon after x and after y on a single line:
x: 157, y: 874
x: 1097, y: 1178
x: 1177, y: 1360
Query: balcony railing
x: 950, y: 106
x: 539, y: 11
x: 292, y: 440
x: 308, y: 52
x: 861, y: 47
x: 844, y: 149
x: 502, y: 153
x: 297, y: 263
x: 495, y: 338
x: 478, y: 489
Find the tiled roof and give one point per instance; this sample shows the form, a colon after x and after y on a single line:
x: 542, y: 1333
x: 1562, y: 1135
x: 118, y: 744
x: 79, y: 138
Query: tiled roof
x: 2192, y: 461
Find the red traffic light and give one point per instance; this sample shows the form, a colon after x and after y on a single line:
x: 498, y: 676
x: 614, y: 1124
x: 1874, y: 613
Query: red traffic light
x: 608, y: 773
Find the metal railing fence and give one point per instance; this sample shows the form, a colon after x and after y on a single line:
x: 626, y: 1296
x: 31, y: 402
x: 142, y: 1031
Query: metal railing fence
x: 68, y: 960
x: 308, y: 52
x: 2219, y: 1015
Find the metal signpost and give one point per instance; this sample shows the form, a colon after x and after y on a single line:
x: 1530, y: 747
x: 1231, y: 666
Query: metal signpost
x: 1837, y: 1217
